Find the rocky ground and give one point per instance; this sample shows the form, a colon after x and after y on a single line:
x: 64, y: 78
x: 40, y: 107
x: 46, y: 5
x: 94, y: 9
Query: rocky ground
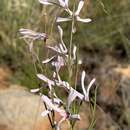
x: 20, y: 110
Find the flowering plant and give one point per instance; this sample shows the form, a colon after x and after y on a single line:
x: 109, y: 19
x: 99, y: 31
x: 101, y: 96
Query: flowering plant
x: 63, y: 57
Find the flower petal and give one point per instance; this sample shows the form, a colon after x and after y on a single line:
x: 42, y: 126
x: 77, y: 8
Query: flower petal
x: 82, y: 83
x: 67, y: 2
x: 74, y: 117
x: 88, y: 89
x: 59, y: 123
x: 58, y: 101
x: 62, y: 3
x: 74, y: 52
x: 63, y: 47
x: 72, y: 96
x: 60, y: 31
x: 45, y: 79
x: 80, y: 6
x: 86, y: 93
x: 87, y: 20
x: 45, y: 113
x: 45, y: 2
x: 59, y: 63
x: 52, y: 106
x: 55, y: 48
x: 74, y: 30
x: 62, y: 84
x: 80, y: 62
x: 60, y: 19
x: 31, y: 46
x: 48, y: 60
x: 27, y: 33
x: 35, y: 90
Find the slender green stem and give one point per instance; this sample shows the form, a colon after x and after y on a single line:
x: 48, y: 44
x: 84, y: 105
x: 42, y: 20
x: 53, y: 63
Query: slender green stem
x: 70, y: 47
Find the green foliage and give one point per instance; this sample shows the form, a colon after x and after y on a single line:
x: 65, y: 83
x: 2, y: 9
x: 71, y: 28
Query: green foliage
x: 15, y: 14
x: 109, y: 18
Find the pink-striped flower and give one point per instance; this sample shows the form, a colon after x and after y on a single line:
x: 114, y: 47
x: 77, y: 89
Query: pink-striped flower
x: 60, y: 3
x: 73, y: 94
x: 49, y: 82
x: 29, y: 36
x: 52, y: 106
x: 65, y: 6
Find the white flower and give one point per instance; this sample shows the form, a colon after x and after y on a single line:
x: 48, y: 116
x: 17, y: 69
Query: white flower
x: 52, y: 106
x: 61, y: 47
x: 73, y: 94
x: 63, y: 84
x: 49, y: 82
x: 60, y: 58
x: 75, y: 14
x: 65, y: 115
x: 58, y: 63
x: 61, y: 3
x: 58, y: 101
x: 28, y: 34
x: 64, y: 5
x: 86, y: 93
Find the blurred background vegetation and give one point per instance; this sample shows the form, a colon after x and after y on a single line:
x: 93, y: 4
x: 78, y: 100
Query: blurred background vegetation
x: 109, y: 31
